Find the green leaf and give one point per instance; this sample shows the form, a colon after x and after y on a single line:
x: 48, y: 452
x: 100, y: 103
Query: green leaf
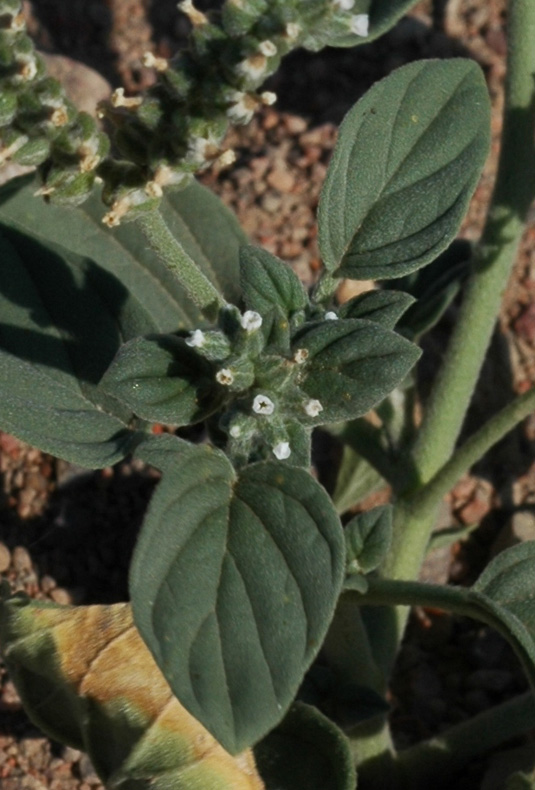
x: 408, y: 158
x: 352, y: 365
x: 53, y: 353
x: 161, y: 379
x: 382, y: 307
x: 272, y: 289
x: 356, y: 479
x: 435, y: 287
x: 307, y: 751
x: 234, y: 582
x: 368, y: 537
x: 506, y: 589
x: 208, y: 231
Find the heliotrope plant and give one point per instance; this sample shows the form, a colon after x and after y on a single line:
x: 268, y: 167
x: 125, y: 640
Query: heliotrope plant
x: 242, y: 572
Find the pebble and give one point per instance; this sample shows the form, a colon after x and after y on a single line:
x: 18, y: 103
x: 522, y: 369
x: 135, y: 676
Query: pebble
x: 281, y: 179
x: 21, y: 559
x: 61, y: 596
x: 87, y: 771
x: 5, y: 558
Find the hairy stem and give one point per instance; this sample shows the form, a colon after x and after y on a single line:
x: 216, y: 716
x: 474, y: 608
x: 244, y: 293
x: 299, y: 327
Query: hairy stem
x: 475, y: 448
x: 513, y: 194
x: 431, y: 763
x: 198, y: 287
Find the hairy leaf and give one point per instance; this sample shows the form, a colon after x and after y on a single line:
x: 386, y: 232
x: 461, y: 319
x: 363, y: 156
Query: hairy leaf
x: 383, y: 307
x: 207, y: 230
x: 52, y: 354
x: 162, y: 379
x: 233, y: 584
x: 506, y: 590
x: 368, y: 537
x: 87, y: 679
x: 407, y: 160
x: 352, y: 365
x: 272, y: 289
x: 307, y: 751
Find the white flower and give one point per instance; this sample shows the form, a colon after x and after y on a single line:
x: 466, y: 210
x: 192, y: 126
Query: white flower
x: 254, y: 67
x: 301, y: 355
x: 359, y: 24
x: 330, y: 316
x: 197, y: 339
x: 292, y: 30
x: 267, y: 48
x: 235, y: 431
x: 268, y: 98
x: 251, y: 321
x: 243, y: 107
x: 313, y: 407
x: 282, y: 451
x: 263, y: 405
x: 344, y: 5
x: 225, y: 377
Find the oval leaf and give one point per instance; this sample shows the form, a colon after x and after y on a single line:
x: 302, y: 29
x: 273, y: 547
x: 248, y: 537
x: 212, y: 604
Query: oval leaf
x: 368, y: 538
x: 87, y: 679
x: 52, y: 355
x: 233, y: 583
x: 271, y: 288
x: 307, y: 751
x: 352, y: 365
x: 407, y: 160
x: 208, y: 231
x: 162, y: 379
x: 382, y: 307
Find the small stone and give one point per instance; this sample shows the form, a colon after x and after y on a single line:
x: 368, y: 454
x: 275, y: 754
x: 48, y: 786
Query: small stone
x: 281, y: 180
x: 61, y: 596
x: 21, y: 559
x: 5, y: 558
x: 48, y: 584
x: 294, y: 124
x: 87, y: 771
x: 71, y: 755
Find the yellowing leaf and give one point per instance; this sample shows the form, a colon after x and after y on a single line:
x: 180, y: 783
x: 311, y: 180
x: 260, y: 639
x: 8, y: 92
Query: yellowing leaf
x: 86, y: 678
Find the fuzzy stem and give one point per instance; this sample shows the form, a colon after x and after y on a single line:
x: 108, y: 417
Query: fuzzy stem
x: 513, y: 194
x: 431, y: 763
x: 475, y: 448
x: 198, y: 287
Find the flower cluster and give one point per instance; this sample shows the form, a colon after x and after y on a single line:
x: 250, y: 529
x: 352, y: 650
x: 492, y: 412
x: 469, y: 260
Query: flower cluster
x: 264, y: 397
x: 177, y: 127
x: 38, y: 124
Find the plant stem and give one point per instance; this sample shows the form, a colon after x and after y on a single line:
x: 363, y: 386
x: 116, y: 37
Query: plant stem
x: 198, y: 287
x: 513, y: 194
x: 452, y: 391
x: 475, y: 448
x: 431, y: 763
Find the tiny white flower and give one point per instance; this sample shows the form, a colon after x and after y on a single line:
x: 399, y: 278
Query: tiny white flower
x: 292, y: 30
x: 282, y: 451
x: 331, y: 316
x: 150, y: 61
x: 263, y: 405
x: 313, y: 407
x: 251, y: 320
x: 224, y: 377
x: 301, y: 355
x: 267, y: 48
x: 344, y: 5
x: 242, y: 109
x: 197, y: 339
x: 153, y: 189
x: 235, y: 431
x: 254, y: 67
x: 359, y: 24
x: 268, y: 98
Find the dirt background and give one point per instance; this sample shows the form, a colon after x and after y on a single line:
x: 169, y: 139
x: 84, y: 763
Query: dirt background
x: 67, y: 535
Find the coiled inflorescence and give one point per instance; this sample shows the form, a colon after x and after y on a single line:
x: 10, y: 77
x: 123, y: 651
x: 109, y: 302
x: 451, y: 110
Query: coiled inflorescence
x: 177, y: 127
